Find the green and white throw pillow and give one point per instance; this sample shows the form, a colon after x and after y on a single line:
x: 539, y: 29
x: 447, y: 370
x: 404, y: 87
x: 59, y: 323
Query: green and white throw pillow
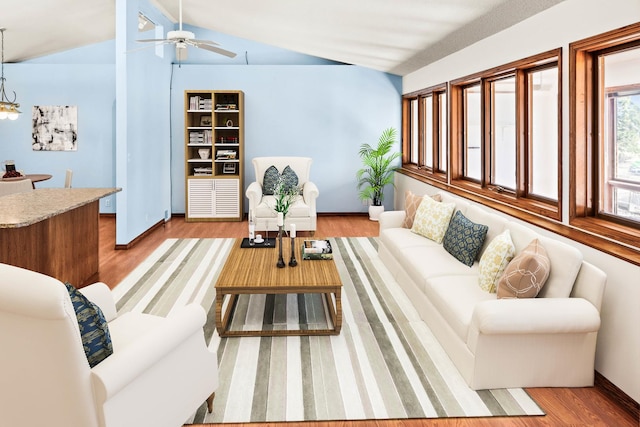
x: 432, y: 219
x: 494, y: 261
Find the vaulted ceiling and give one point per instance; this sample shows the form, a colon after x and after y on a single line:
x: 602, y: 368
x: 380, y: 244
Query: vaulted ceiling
x: 396, y: 36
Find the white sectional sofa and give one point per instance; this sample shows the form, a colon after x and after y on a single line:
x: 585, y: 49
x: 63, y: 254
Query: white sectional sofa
x: 546, y: 341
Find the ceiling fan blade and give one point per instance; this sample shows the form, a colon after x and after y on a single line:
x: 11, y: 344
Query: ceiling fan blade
x: 209, y: 42
x: 216, y: 50
x: 152, y: 40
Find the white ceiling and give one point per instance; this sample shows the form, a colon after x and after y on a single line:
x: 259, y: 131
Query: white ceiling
x: 396, y: 36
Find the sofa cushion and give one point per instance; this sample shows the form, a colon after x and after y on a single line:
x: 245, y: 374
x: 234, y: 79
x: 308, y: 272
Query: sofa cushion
x: 93, y: 327
x: 494, y: 261
x: 266, y: 208
x: 566, y: 262
x: 464, y: 238
x: 526, y: 274
x: 432, y: 219
x: 271, y: 177
x: 411, y: 203
x: 425, y: 262
x: 397, y: 239
x: 455, y: 298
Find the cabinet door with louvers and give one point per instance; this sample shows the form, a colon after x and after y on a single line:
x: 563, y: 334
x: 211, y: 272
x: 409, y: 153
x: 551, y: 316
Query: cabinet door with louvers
x: 213, y: 199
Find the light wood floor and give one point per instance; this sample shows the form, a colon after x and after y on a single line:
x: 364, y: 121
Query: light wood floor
x: 564, y: 406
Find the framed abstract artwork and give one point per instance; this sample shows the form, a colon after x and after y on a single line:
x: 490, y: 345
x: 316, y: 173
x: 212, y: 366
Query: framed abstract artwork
x: 55, y: 128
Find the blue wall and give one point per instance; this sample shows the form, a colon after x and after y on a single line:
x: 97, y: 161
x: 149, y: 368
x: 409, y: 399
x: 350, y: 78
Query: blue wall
x: 89, y: 87
x: 320, y: 111
x: 130, y: 116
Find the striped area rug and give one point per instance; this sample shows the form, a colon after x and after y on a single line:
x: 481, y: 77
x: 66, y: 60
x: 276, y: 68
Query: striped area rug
x: 385, y: 364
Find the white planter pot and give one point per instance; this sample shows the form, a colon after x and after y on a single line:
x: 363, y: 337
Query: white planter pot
x: 375, y: 211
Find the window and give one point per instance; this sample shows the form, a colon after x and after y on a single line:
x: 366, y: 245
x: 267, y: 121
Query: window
x: 605, y: 143
x: 425, y: 133
x: 619, y: 167
x: 505, y: 140
x: 472, y: 131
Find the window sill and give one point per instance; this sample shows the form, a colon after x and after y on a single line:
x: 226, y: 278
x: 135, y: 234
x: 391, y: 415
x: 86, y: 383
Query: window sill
x: 613, y: 239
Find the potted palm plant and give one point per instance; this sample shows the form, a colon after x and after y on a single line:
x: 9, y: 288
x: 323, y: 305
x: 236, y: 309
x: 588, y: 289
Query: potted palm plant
x: 377, y: 172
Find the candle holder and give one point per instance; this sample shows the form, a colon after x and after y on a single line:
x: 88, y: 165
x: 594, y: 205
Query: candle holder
x: 280, y: 263
x: 292, y: 261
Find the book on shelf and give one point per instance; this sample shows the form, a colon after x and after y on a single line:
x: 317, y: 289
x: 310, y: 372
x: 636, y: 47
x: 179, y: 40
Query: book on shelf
x: 316, y: 249
x: 202, y: 171
x: 228, y: 140
x: 226, y: 106
x: 199, y: 103
x: 226, y: 154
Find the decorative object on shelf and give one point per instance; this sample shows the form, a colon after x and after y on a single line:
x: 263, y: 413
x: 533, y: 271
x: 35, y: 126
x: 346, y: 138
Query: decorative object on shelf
x: 8, y: 109
x: 229, y: 168
x: 205, y: 121
x: 204, y: 153
x: 280, y: 263
x: 55, y: 128
x: 292, y: 234
x: 378, y: 171
x: 229, y: 123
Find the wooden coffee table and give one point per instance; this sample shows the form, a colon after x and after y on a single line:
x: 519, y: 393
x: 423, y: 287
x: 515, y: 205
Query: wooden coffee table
x: 254, y: 271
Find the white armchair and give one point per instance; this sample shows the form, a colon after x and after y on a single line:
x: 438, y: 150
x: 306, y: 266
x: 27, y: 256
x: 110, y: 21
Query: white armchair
x: 160, y: 371
x: 12, y: 187
x: 303, y: 211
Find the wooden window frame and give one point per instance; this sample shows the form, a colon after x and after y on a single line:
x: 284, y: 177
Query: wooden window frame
x: 585, y: 146
x: 518, y: 197
x: 436, y: 172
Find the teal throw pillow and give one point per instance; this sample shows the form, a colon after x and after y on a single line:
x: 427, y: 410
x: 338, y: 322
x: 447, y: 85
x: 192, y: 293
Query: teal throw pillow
x: 464, y: 238
x: 271, y: 176
x: 94, y: 330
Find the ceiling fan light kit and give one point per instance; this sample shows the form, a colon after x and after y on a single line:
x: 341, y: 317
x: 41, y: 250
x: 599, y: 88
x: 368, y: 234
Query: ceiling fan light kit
x: 8, y: 109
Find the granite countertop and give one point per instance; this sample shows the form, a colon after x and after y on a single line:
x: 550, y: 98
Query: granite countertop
x: 24, y: 209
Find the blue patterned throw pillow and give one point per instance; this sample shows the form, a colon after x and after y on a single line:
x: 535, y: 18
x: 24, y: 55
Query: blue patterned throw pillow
x: 94, y: 330
x: 289, y: 177
x: 464, y: 238
x: 271, y: 176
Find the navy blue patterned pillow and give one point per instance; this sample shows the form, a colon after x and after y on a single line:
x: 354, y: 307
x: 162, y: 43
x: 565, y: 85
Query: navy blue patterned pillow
x: 289, y: 177
x: 94, y: 330
x: 271, y: 176
x: 464, y: 238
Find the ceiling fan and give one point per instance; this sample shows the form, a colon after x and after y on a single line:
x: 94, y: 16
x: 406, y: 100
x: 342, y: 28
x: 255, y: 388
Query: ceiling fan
x: 181, y: 39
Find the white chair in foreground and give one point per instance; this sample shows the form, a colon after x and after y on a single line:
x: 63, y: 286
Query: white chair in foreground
x: 159, y: 374
x: 12, y: 187
x: 303, y: 211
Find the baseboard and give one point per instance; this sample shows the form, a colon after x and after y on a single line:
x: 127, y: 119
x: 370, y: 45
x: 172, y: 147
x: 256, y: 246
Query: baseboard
x: 141, y: 236
x: 620, y: 397
x: 343, y: 214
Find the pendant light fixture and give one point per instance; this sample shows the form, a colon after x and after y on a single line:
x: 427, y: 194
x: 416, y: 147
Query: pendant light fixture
x: 8, y: 109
